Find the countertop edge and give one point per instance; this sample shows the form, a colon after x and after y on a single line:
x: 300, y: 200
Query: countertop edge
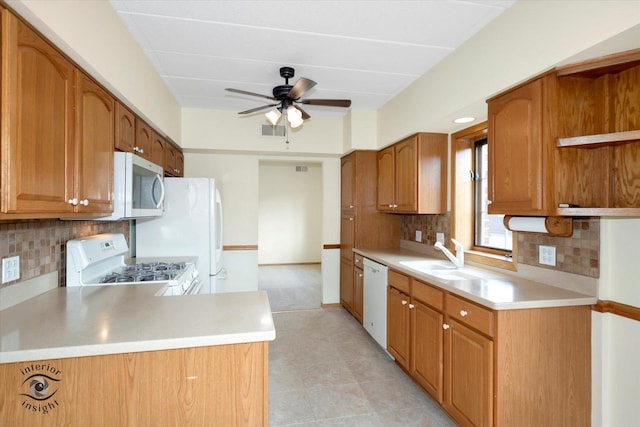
x: 374, y: 254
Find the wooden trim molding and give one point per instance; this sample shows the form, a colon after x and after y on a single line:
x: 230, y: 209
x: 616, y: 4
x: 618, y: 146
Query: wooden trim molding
x: 331, y: 246
x: 240, y: 248
x: 617, y: 308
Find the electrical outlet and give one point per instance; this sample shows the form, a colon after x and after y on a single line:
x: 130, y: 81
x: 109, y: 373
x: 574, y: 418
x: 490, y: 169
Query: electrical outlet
x: 440, y: 237
x: 418, y: 236
x: 547, y: 255
x: 10, y: 269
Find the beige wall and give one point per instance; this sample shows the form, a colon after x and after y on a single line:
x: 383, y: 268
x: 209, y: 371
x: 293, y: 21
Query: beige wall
x: 289, y: 212
x: 529, y: 37
x: 93, y: 35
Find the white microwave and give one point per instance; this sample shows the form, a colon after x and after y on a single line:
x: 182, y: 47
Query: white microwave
x: 138, y: 188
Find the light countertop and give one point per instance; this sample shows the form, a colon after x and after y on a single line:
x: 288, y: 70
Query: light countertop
x: 98, y: 320
x: 497, y: 291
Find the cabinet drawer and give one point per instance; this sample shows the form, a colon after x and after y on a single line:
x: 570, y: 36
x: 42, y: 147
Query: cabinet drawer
x: 471, y: 314
x: 427, y: 294
x: 357, y: 260
x: 399, y: 281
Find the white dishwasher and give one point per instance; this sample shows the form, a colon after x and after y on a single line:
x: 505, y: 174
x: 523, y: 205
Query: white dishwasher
x: 374, y: 311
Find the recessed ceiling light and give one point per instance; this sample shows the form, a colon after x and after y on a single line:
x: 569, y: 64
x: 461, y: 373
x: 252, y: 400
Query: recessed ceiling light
x: 464, y: 120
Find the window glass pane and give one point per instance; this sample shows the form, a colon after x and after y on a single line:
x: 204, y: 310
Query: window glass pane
x: 489, y: 229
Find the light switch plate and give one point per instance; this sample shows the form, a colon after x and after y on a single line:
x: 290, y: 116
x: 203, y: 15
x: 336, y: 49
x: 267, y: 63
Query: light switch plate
x: 418, y: 236
x: 547, y: 255
x: 10, y: 269
x: 440, y: 237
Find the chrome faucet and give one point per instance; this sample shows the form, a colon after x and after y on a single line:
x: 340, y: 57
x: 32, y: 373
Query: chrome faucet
x: 458, y: 258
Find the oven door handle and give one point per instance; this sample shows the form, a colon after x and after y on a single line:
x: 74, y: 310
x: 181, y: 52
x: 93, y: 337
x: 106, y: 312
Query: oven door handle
x: 158, y: 180
x: 195, y: 287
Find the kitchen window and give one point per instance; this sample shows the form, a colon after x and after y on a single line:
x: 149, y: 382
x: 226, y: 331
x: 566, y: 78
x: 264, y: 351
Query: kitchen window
x: 484, y: 236
x: 489, y: 230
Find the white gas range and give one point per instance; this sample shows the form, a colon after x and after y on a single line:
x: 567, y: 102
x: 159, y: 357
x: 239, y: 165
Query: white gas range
x: 100, y: 260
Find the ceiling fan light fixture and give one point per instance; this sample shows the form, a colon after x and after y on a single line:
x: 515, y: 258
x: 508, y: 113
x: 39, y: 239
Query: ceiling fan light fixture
x: 294, y: 116
x: 273, y: 116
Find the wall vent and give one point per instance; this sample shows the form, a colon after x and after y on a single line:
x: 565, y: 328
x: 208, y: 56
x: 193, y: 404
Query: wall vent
x: 302, y: 169
x: 268, y: 130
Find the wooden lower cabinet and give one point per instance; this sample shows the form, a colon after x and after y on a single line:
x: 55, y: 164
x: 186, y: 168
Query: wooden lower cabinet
x: 346, y: 284
x: 524, y: 367
x: 398, y: 326
x: 358, y: 290
x: 223, y: 385
x: 468, y: 375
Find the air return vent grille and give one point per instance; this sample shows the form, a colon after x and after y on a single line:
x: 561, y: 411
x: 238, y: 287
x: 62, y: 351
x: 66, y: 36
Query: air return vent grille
x: 302, y: 169
x: 268, y: 130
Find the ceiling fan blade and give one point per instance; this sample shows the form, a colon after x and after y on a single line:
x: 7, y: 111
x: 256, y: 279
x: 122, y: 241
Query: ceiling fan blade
x: 327, y: 102
x: 244, y: 92
x: 305, y: 116
x: 262, y: 107
x: 301, y: 86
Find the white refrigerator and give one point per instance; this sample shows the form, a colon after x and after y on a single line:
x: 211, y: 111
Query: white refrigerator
x: 191, y: 225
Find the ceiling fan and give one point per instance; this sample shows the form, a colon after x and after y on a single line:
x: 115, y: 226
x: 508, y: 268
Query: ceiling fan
x: 287, y: 96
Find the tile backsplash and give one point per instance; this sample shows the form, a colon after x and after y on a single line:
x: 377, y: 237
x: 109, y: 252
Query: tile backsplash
x: 41, y: 244
x: 577, y: 254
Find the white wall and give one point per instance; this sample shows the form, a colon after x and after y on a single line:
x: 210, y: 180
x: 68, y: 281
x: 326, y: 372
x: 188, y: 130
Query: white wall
x: 289, y: 213
x: 529, y: 37
x: 616, y: 340
x: 93, y: 35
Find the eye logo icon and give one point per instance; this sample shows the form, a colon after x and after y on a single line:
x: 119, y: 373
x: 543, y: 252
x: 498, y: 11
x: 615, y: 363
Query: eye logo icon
x: 40, y: 387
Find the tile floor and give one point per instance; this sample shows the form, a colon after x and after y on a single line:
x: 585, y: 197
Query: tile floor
x: 325, y: 370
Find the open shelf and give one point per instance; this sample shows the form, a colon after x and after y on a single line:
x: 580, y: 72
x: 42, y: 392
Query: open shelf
x: 594, y: 141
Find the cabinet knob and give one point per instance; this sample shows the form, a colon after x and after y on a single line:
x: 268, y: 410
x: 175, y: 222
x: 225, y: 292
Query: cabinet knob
x: 404, y: 302
x: 463, y: 313
x: 445, y: 326
x: 142, y: 151
x: 411, y: 306
x: 390, y: 206
x: 357, y: 260
x: 351, y: 219
x: 84, y: 202
x: 489, y: 202
x: 73, y: 202
x: 395, y: 206
x: 360, y: 274
x: 350, y: 206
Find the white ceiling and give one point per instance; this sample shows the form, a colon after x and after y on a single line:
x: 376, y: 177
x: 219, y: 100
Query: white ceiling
x: 367, y: 51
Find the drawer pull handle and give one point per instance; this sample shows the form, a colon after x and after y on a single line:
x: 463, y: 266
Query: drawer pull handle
x: 445, y: 326
x: 463, y: 313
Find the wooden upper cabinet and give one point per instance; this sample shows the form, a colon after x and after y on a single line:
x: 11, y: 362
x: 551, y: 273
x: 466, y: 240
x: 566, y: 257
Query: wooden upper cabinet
x: 158, y: 149
x: 386, y: 178
x: 516, y: 150
x: 144, y: 139
x: 179, y: 164
x: 37, y: 113
x: 95, y: 135
x: 173, y: 161
x: 412, y: 175
x: 347, y: 181
x: 125, y: 129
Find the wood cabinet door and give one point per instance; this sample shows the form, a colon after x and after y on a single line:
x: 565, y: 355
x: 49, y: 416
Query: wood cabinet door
x: 37, y: 121
x: 398, y: 323
x: 157, y: 150
x: 358, y: 293
x: 386, y: 179
x: 427, y: 348
x: 179, y: 164
x: 346, y: 284
x: 144, y: 139
x: 516, y: 151
x: 125, y: 129
x: 468, y: 374
x: 347, y: 236
x: 170, y: 159
x: 95, y: 111
x: 347, y: 182
x: 406, y: 175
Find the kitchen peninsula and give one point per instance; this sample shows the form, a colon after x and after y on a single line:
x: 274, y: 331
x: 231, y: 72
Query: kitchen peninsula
x: 120, y: 355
